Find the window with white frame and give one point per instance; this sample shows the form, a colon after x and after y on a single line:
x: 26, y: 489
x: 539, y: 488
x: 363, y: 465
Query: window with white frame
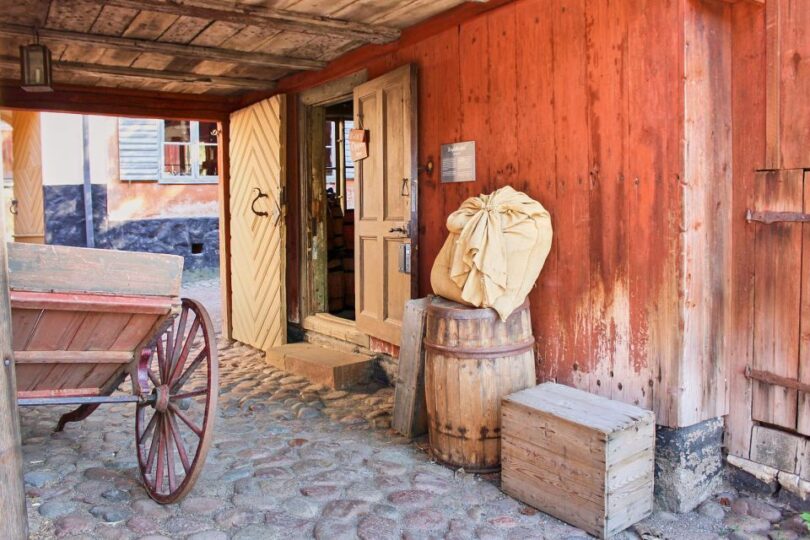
x: 168, y: 151
x: 189, y: 151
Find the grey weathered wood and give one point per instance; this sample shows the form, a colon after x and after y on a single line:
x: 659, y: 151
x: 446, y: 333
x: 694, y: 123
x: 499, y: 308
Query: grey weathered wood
x: 582, y: 458
x: 776, y: 448
x: 193, y: 52
x: 328, y: 92
x: 36, y: 267
x: 410, y: 410
x: 161, y: 74
x: 13, y: 518
x: 266, y: 17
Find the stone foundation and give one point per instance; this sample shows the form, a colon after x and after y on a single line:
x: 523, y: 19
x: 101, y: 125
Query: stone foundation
x: 688, y: 464
x: 196, y: 239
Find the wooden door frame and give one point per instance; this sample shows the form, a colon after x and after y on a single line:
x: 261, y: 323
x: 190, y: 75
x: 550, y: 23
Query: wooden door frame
x: 324, y: 95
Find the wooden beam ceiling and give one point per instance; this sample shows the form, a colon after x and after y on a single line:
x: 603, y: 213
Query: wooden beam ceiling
x: 165, y: 75
x: 193, y: 52
x: 118, y: 102
x: 265, y: 17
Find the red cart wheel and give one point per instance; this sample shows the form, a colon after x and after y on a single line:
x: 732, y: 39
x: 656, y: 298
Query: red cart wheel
x: 174, y: 428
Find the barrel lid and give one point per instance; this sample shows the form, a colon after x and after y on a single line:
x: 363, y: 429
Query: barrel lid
x: 449, y: 309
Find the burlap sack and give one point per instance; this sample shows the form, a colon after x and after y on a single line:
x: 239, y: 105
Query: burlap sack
x: 497, y: 246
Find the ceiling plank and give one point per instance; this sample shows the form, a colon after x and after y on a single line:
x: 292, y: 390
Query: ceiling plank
x: 266, y: 17
x: 193, y: 52
x: 141, y: 73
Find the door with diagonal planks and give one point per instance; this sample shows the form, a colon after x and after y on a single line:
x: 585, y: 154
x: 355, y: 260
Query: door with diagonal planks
x: 257, y: 158
x: 29, y: 214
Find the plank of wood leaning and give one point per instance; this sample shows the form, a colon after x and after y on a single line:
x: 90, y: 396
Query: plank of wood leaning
x: 12, y: 495
x: 410, y: 412
x: 70, y: 269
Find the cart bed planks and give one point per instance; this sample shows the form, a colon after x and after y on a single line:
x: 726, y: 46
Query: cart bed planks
x: 83, y: 320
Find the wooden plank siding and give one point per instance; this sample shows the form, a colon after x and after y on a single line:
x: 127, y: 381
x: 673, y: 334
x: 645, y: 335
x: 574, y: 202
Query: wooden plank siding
x: 749, y: 128
x: 567, y: 101
x: 769, y: 317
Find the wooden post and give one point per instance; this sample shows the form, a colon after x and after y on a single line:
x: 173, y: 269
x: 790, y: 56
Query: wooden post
x: 12, y: 496
x: 223, y: 141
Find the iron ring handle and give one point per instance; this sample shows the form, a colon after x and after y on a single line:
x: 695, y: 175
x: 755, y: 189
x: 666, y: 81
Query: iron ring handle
x: 13, y: 207
x: 253, y: 203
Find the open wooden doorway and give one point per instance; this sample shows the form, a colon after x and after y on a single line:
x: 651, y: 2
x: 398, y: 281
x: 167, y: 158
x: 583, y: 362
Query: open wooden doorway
x: 360, y: 220
x: 326, y: 206
x: 339, y: 175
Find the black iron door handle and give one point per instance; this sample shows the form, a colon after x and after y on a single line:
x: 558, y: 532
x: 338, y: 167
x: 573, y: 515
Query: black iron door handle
x: 253, y: 204
x: 13, y: 207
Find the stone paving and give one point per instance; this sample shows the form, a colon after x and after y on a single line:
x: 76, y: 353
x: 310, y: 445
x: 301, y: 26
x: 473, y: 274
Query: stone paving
x: 296, y: 460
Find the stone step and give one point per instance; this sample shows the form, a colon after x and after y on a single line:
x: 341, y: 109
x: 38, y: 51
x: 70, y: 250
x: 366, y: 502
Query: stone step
x: 336, y: 369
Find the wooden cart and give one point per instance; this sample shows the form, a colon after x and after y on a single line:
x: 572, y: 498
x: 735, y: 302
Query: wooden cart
x: 83, y: 320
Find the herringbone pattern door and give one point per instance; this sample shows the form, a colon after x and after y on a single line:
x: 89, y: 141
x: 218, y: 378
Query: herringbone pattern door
x: 257, y: 154
x: 29, y: 218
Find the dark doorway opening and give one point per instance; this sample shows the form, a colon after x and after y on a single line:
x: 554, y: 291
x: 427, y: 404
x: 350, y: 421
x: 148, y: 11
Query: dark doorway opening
x: 339, y: 174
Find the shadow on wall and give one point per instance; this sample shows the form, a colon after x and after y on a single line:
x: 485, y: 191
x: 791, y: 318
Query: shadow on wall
x: 196, y: 239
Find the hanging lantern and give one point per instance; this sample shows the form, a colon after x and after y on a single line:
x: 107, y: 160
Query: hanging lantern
x: 35, y: 68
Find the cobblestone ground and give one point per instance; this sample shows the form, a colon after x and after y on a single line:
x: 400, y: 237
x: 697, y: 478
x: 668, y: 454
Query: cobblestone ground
x: 295, y: 460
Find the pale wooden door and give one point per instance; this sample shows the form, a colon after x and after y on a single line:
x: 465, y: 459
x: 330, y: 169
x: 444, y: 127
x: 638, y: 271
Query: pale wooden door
x: 29, y: 210
x: 386, y: 213
x: 258, y: 268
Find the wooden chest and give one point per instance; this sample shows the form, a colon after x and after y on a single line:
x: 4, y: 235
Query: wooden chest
x: 584, y: 459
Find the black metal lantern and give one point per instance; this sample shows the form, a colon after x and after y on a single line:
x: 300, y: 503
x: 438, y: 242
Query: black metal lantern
x: 35, y: 68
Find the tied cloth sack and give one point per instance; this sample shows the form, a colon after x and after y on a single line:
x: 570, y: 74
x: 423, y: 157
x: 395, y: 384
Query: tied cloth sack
x: 497, y: 246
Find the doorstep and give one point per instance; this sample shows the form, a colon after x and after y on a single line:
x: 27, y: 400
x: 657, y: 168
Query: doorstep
x: 336, y: 369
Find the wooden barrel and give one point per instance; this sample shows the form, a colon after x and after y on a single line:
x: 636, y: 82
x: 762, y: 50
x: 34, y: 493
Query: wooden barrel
x: 472, y: 360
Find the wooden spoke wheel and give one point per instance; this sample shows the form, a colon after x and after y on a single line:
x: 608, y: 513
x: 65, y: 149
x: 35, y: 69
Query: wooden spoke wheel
x: 174, y: 427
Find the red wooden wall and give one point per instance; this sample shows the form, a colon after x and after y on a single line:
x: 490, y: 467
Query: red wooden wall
x: 579, y: 103
x: 771, y: 126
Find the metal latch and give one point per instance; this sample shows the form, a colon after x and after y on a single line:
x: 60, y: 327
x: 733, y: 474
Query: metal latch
x: 405, y: 258
x: 768, y: 217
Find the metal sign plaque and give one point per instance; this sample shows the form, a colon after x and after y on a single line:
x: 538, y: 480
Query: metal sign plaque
x: 458, y: 162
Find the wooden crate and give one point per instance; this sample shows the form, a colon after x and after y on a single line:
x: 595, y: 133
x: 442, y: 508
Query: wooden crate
x: 584, y: 459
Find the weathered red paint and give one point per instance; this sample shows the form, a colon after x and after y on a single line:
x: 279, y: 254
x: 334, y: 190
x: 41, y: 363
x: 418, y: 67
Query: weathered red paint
x: 569, y: 101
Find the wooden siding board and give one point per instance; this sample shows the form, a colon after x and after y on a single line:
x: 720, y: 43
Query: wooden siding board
x: 706, y: 203
x: 537, y: 164
x: 572, y: 220
x: 502, y: 101
x: 794, y: 84
x: 606, y: 40
x: 749, y: 129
